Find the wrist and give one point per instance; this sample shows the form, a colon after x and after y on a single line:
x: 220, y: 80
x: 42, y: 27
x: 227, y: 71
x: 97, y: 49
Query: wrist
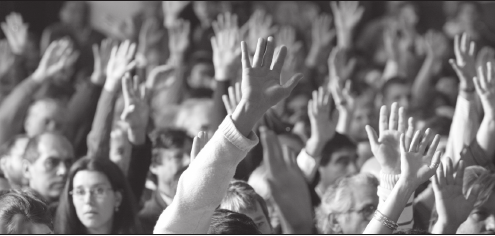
x: 314, y: 146
x: 111, y: 84
x: 137, y: 136
x: 406, y: 187
x: 245, y: 116
x: 38, y: 76
x: 223, y: 74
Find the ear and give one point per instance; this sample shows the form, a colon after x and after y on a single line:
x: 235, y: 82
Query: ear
x: 118, y: 198
x: 26, y: 169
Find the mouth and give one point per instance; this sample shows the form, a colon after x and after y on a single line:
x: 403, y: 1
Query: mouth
x: 91, y: 213
x: 58, y: 184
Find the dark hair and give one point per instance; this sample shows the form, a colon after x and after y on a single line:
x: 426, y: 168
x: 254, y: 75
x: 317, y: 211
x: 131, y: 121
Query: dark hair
x: 125, y: 220
x: 392, y: 81
x: 25, y: 204
x: 229, y: 222
x: 477, y: 5
x: 338, y: 142
x: 242, y: 197
x: 169, y: 138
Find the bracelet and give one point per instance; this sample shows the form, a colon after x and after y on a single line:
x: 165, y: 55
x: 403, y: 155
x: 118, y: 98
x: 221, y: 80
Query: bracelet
x: 385, y: 220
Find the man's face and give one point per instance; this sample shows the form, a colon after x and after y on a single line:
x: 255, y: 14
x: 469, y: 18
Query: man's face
x: 481, y: 220
x: 342, y: 163
x: 173, y: 162
x: 22, y: 226
x: 43, y: 117
x: 202, y: 76
x: 399, y: 93
x: 365, y: 202
x: 47, y: 175
x: 362, y: 117
x: 12, y: 164
x: 259, y: 219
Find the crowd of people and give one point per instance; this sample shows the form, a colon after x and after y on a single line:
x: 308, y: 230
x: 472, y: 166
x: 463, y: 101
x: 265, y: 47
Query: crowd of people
x: 248, y: 118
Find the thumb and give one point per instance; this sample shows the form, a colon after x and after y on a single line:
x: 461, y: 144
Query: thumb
x: 372, y: 136
x: 291, y: 84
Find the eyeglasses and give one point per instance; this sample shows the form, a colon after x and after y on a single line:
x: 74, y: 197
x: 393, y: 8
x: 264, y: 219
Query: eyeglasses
x: 367, y: 211
x: 99, y: 192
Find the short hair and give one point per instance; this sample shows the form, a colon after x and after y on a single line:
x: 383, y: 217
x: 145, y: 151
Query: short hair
x: 242, y: 197
x: 337, y: 199
x: 338, y: 142
x: 229, y: 222
x: 31, y: 209
x: 169, y: 138
x: 481, y: 177
x: 392, y: 81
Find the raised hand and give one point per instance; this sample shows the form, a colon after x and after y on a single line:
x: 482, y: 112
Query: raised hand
x: 120, y: 62
x: 465, y: 63
x: 122, y: 30
x: 261, y: 78
x: 199, y: 143
x: 6, y: 57
x: 149, y: 35
x: 287, y: 36
x: 435, y: 44
x: 258, y: 26
x: 171, y: 11
x: 340, y: 70
x: 321, y: 37
x: 451, y: 205
x: 58, y: 56
x: 235, y: 95
x: 226, y: 52
x: 386, y: 146
x: 485, y: 87
x: 178, y: 40
x: 136, y: 108
x: 346, y: 14
x: 322, y: 124
x: 417, y: 165
x: 16, y: 32
x: 345, y: 101
x: 101, y: 56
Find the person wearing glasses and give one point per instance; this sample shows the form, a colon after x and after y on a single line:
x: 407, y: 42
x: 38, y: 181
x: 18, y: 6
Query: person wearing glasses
x: 97, y: 199
x: 348, y: 206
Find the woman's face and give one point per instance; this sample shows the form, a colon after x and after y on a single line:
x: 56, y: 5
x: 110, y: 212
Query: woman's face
x: 365, y: 202
x: 94, y: 199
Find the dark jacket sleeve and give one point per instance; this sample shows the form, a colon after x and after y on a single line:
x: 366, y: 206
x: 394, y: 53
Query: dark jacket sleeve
x: 81, y: 111
x: 14, y: 108
x: 99, y: 138
x: 219, y: 112
x: 138, y: 168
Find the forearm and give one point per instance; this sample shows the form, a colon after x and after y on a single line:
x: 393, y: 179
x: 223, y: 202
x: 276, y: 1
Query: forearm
x: 292, y: 220
x: 421, y: 86
x: 486, y: 135
x: 203, y: 185
x: 344, y: 122
x: 391, y: 208
x: 387, y: 184
x: 139, y: 163
x: 99, y: 138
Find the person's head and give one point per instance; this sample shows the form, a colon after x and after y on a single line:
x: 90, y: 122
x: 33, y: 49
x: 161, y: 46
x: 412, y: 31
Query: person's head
x: 75, y: 13
x: 11, y: 156
x: 396, y: 90
x: 338, y: 159
x: 96, y: 199
x: 120, y: 147
x: 23, y: 213
x: 242, y: 198
x: 46, y: 163
x: 202, y: 72
x: 206, y: 11
x: 45, y: 115
x: 363, y: 116
x: 481, y: 220
x: 348, y: 206
x: 469, y: 12
x: 229, y: 222
x: 171, y: 150
x: 194, y: 116
x: 408, y: 14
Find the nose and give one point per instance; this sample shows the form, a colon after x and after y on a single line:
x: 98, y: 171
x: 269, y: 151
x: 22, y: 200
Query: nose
x: 87, y: 197
x: 62, y: 169
x: 490, y: 223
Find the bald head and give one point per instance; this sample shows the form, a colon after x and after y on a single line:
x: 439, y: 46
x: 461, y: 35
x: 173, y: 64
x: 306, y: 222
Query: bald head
x: 45, y: 115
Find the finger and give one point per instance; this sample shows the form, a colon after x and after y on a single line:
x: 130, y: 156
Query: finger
x: 457, y: 51
x: 232, y: 96
x: 279, y: 59
x: 246, y: 62
x: 372, y: 136
x: 434, y: 145
x: 442, y: 181
x: 238, y: 92
x: 402, y: 145
x: 455, y: 67
x: 126, y: 87
x: 482, y: 78
x: 383, y: 124
x: 415, y: 142
x: 427, y: 137
x: 402, y: 121
x: 477, y: 86
x: 472, y: 48
x: 463, y: 43
x: 392, y: 125
x: 268, y: 57
x: 226, y: 103
x: 435, y: 183
x: 488, y: 74
x: 459, y: 177
x: 321, y: 94
x: 436, y: 160
x: 449, y: 172
x: 260, y: 51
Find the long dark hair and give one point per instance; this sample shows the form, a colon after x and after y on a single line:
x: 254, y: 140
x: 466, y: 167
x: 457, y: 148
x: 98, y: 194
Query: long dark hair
x: 125, y: 220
